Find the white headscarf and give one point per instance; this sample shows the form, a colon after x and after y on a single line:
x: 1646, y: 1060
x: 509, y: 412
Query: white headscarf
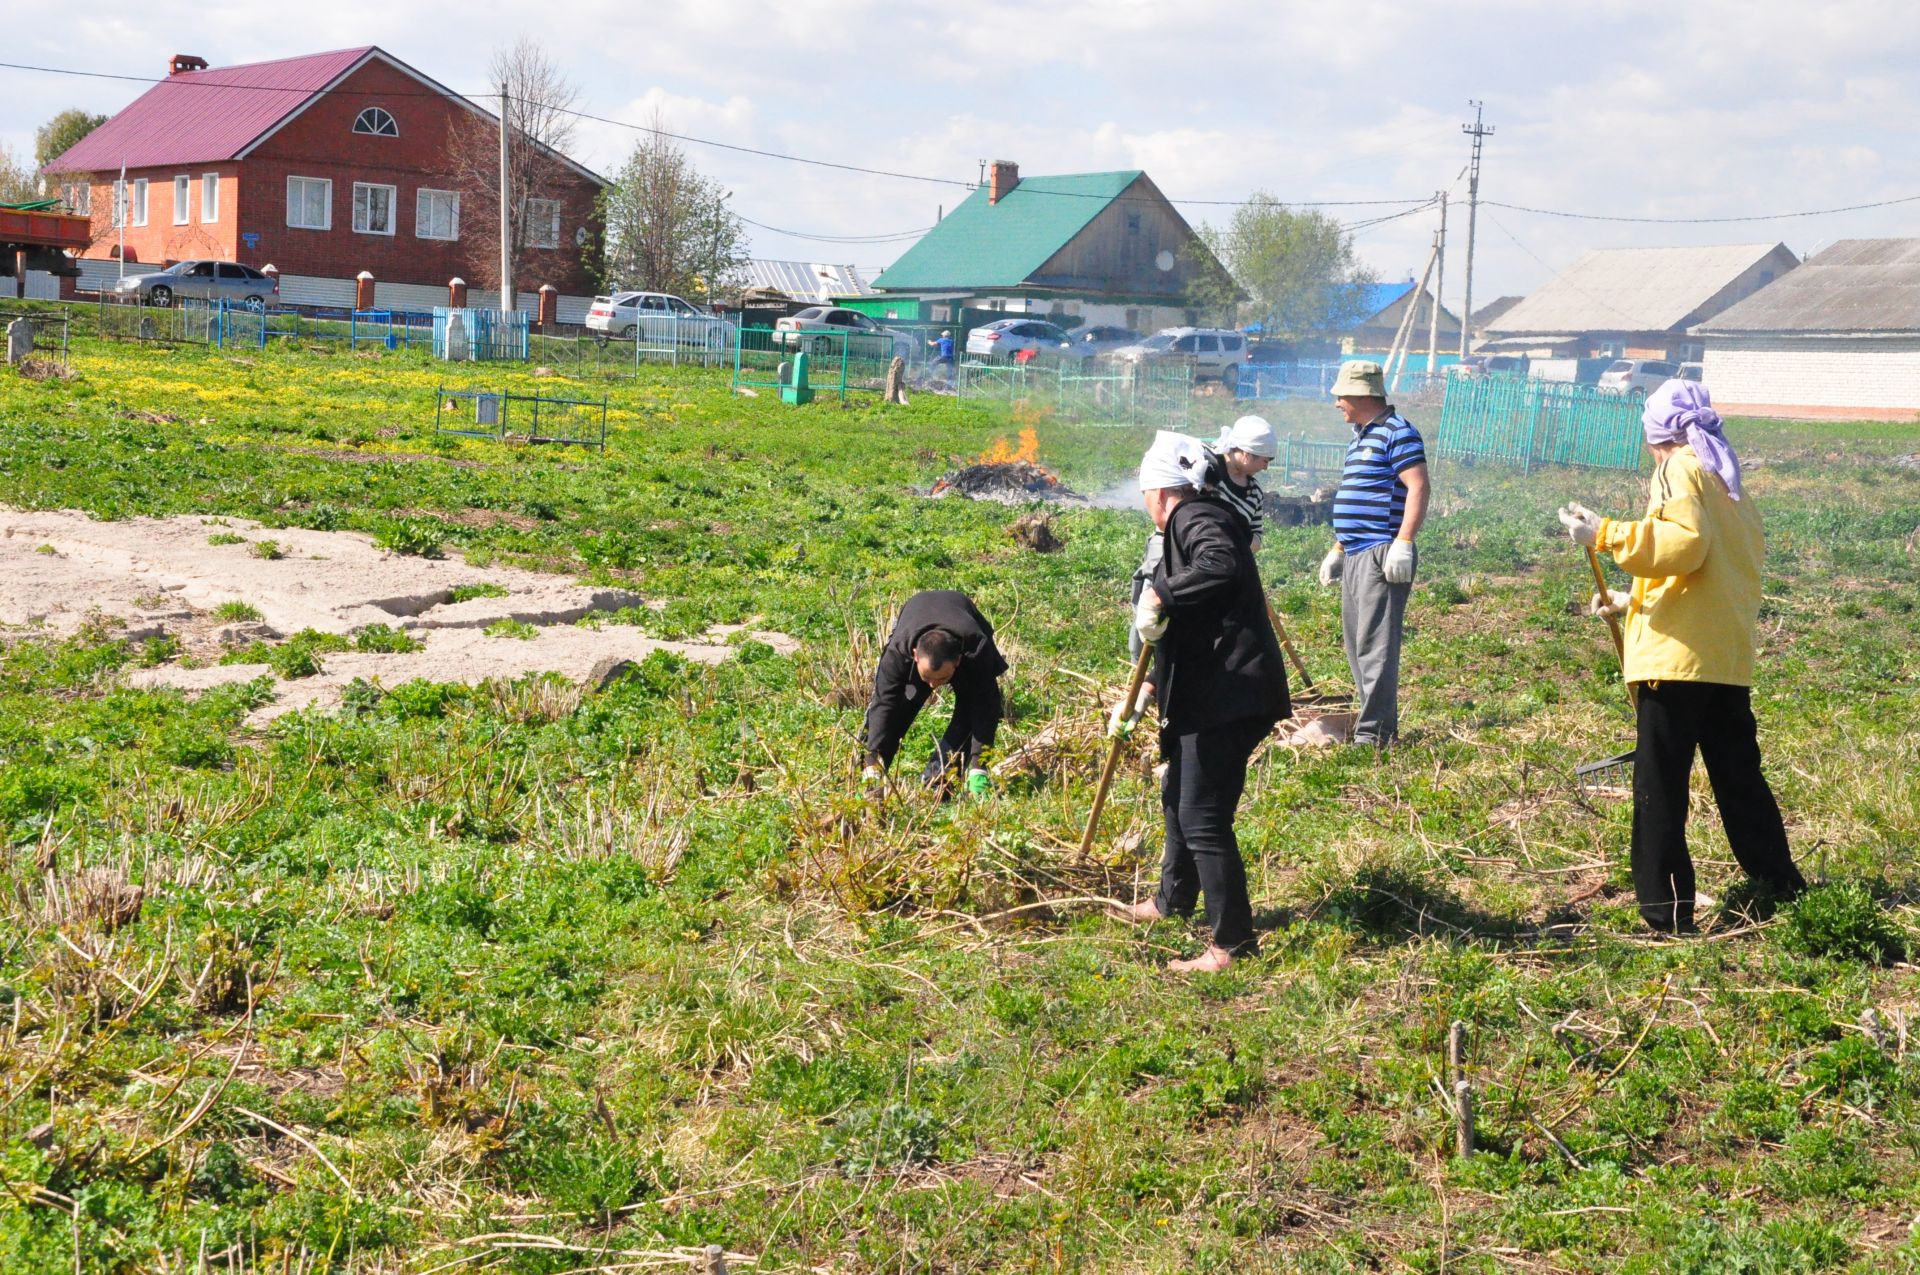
x: 1174, y: 460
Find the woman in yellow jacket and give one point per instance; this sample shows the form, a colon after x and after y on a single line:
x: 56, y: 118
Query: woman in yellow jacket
x: 1690, y: 617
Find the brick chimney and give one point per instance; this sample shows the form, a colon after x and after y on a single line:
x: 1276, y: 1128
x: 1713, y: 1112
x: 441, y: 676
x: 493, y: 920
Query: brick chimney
x: 1002, y: 177
x: 185, y: 62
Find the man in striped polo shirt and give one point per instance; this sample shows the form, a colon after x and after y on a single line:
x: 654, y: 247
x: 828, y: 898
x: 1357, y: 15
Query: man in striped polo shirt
x: 1376, y: 514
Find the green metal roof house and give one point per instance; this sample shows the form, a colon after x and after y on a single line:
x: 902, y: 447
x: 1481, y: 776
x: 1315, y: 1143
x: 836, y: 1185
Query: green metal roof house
x: 1103, y: 247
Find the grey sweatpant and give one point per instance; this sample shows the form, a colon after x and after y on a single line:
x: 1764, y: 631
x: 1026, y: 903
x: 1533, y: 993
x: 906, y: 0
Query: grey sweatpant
x: 1371, y: 611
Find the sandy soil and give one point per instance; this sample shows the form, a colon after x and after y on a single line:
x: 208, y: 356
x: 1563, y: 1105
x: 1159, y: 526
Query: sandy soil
x: 159, y: 576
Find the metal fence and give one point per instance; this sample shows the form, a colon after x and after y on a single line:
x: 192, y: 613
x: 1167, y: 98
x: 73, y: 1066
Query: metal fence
x: 1161, y: 396
x: 837, y: 362
x: 467, y: 334
x: 1308, y: 460
x: 188, y: 321
x: 380, y: 329
x: 530, y: 418
x: 1511, y: 420
x: 50, y: 328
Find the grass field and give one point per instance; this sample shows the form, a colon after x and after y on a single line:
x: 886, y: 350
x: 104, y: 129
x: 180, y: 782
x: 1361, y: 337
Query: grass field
x: 520, y: 979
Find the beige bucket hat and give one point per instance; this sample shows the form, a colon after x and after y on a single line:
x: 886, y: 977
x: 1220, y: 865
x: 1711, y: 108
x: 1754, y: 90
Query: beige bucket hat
x: 1360, y: 379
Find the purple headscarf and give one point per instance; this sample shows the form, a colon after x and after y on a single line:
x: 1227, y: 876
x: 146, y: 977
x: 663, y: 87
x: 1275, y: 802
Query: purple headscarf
x: 1681, y: 412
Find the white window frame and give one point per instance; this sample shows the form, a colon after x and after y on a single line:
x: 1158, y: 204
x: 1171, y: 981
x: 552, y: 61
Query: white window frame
x: 119, y: 203
x: 422, y: 215
x: 182, y: 200
x: 551, y: 220
x: 374, y: 129
x: 139, y: 201
x: 78, y: 197
x: 393, y: 212
x: 326, y: 222
x: 209, y: 198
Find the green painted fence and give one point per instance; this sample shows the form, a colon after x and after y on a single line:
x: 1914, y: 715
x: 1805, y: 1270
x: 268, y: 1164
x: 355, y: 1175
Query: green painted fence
x: 1157, y: 395
x: 1511, y: 420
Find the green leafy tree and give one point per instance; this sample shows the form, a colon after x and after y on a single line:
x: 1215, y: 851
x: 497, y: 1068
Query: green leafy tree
x: 1295, y: 267
x: 668, y: 228
x: 61, y: 134
x: 16, y: 180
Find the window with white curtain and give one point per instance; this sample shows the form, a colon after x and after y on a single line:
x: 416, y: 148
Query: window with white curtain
x: 543, y: 223
x: 209, y: 198
x: 182, y: 200
x: 372, y: 209
x: 436, y: 214
x: 310, y: 203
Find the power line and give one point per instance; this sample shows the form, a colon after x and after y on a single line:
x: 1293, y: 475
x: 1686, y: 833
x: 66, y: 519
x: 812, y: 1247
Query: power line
x: 896, y: 237
x: 1703, y: 221
x: 1032, y: 186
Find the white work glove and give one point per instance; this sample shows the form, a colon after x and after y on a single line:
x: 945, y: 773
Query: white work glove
x: 1148, y: 621
x: 1332, y: 565
x: 871, y: 778
x: 1612, y: 602
x: 1123, y: 719
x: 1397, y: 566
x: 1582, y: 524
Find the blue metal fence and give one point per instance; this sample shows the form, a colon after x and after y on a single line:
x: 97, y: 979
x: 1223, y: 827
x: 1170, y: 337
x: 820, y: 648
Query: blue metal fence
x: 472, y: 335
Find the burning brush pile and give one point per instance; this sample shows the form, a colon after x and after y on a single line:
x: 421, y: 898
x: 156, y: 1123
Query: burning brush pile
x: 1008, y: 474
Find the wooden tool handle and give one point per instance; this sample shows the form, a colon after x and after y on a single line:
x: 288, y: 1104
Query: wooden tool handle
x: 1286, y: 644
x: 1113, y: 754
x: 1613, y: 624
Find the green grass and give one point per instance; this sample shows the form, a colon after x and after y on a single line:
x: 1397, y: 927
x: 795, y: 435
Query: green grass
x: 637, y: 969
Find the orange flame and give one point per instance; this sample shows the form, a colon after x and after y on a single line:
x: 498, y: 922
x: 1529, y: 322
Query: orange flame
x: 1003, y: 454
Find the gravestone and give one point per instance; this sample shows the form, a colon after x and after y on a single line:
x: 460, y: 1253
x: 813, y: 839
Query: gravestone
x: 19, y: 341
x: 457, y: 350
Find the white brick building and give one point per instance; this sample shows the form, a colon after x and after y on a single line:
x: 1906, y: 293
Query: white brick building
x: 1837, y: 338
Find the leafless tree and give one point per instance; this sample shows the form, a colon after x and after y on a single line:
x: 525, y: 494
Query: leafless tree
x: 539, y: 130
x: 668, y: 227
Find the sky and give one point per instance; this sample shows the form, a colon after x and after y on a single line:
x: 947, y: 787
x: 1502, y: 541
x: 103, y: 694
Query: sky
x: 1622, y: 109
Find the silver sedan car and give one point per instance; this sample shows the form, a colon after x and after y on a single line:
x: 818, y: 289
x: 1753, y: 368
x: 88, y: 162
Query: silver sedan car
x: 205, y: 280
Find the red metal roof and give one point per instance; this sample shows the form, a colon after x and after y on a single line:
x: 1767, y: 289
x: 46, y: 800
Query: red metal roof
x: 205, y: 116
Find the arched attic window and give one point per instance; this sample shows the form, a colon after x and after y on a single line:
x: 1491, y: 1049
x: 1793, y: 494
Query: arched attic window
x: 376, y: 123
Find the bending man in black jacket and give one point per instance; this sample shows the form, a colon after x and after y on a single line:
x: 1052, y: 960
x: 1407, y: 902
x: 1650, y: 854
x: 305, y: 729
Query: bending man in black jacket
x: 1220, y: 685
x: 940, y: 638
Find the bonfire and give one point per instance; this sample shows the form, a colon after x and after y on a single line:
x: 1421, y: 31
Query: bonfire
x: 1008, y: 473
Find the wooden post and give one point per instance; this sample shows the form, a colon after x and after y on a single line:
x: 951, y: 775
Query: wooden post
x: 716, y: 1261
x: 457, y: 293
x: 363, y: 290
x: 1456, y: 1052
x: 1463, y: 1118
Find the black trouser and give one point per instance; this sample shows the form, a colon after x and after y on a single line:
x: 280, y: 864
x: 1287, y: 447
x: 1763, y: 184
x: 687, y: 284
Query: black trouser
x: 951, y: 750
x: 1675, y: 718
x: 1206, y: 771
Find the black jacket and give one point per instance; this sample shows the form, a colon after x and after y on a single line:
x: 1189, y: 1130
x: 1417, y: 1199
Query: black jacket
x: 1219, y: 660
x: 899, y: 692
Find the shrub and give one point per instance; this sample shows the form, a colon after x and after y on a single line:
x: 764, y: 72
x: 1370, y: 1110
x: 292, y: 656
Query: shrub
x: 513, y: 629
x: 1843, y: 921
x: 421, y: 537
x: 384, y: 638
x: 267, y: 549
x: 158, y: 649
x: 234, y: 612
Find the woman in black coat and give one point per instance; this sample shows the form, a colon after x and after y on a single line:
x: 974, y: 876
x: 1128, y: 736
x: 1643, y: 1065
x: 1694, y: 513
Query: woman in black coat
x: 1220, y: 685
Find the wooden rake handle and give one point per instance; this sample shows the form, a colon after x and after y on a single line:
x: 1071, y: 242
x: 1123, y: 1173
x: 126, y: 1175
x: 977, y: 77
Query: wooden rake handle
x: 1113, y: 753
x: 1613, y: 624
x: 1286, y: 644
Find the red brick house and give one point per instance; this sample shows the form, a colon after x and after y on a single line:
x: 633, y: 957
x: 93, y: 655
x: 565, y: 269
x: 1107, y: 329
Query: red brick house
x: 324, y: 165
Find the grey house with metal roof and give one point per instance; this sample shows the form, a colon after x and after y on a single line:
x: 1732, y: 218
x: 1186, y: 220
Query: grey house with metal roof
x: 1637, y: 302
x: 1838, y: 338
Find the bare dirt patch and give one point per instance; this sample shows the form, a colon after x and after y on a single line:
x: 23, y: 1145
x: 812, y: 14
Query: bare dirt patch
x: 151, y: 577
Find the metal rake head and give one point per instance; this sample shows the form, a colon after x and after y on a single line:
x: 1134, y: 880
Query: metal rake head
x: 1610, y: 778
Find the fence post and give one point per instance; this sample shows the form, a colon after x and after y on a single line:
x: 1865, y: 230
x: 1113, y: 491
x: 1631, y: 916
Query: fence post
x: 363, y: 290
x: 457, y: 293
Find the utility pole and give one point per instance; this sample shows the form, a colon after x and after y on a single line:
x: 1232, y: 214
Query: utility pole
x: 1439, y: 290
x: 506, y: 212
x: 1479, y: 133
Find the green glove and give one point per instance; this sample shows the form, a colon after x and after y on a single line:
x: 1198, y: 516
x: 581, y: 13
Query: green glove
x: 979, y: 782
